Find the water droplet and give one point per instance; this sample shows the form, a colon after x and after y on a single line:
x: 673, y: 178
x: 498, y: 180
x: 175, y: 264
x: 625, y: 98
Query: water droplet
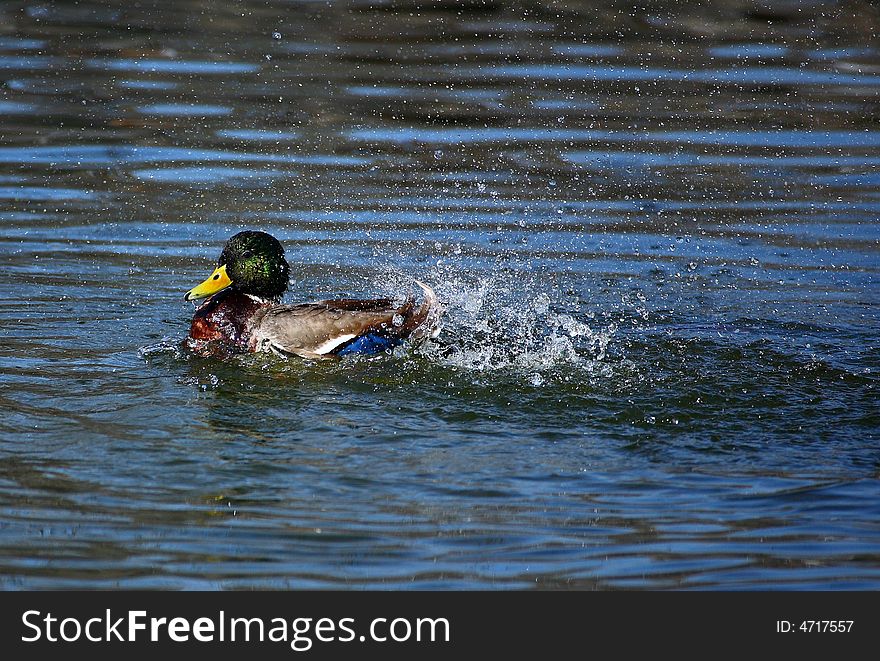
x: 541, y: 304
x: 397, y: 320
x: 276, y: 35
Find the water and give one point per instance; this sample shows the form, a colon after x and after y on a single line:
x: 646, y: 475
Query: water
x: 654, y: 231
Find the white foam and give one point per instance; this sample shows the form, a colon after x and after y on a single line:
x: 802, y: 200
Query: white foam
x: 499, y: 321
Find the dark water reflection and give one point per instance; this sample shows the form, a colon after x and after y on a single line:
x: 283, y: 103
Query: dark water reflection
x: 655, y: 232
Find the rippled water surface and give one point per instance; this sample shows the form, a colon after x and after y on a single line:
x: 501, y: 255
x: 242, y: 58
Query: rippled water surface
x: 654, y: 230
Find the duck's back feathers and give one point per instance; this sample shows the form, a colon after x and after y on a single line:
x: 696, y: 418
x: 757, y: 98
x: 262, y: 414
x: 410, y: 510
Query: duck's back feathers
x: 333, y: 328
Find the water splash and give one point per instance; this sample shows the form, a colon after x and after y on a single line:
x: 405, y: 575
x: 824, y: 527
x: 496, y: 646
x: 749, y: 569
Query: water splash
x: 171, y: 346
x: 502, y: 321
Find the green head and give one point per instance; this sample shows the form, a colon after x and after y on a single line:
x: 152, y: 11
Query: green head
x: 251, y: 262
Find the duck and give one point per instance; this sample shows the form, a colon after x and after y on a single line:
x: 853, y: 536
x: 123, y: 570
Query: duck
x: 242, y: 311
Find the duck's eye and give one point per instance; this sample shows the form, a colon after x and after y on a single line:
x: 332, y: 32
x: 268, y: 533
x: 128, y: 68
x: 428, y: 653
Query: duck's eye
x: 216, y: 277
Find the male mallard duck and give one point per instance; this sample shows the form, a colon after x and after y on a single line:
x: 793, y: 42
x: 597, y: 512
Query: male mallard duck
x: 244, y: 314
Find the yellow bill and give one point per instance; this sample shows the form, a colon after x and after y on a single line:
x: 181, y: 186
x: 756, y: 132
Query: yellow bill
x: 217, y: 281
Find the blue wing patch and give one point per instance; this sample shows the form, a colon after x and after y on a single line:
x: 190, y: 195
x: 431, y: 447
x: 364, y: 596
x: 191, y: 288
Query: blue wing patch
x: 368, y: 344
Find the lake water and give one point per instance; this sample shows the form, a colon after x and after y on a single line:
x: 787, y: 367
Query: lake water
x: 655, y: 234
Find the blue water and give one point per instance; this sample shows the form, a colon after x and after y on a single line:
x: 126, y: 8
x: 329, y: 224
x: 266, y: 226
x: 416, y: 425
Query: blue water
x: 655, y: 235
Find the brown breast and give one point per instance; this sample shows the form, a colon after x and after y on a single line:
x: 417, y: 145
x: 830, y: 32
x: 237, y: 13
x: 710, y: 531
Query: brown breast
x: 227, y: 316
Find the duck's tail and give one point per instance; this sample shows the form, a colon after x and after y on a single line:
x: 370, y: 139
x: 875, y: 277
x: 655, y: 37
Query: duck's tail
x: 424, y: 322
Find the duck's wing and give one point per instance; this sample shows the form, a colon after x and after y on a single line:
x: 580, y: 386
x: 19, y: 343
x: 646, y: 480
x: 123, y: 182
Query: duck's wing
x: 331, y: 328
